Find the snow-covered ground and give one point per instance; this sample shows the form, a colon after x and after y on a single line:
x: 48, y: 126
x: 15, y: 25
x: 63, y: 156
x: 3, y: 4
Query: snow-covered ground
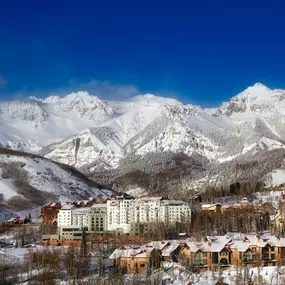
x: 277, y: 177
x: 272, y: 275
x: 7, y: 188
x: 46, y: 176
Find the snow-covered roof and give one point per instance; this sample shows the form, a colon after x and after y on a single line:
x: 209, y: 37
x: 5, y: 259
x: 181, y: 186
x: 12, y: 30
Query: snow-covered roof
x: 80, y: 211
x: 241, y: 246
x: 130, y: 251
x: 172, y: 245
x: 99, y: 206
x: 67, y: 207
x: 174, y: 202
x: 213, y: 244
x: 149, y: 198
x: 206, y: 206
x: 157, y: 244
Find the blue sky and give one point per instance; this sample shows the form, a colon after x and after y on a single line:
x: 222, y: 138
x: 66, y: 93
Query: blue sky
x: 203, y: 52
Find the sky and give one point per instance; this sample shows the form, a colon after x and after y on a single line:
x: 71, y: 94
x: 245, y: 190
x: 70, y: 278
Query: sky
x: 200, y: 52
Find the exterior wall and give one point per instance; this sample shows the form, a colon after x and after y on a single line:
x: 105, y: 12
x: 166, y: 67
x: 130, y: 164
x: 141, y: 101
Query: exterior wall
x: 146, y: 229
x: 281, y: 256
x: 50, y: 237
x: 80, y: 217
x: 70, y: 233
x: 97, y: 218
x: 239, y: 258
x: 200, y: 261
x: 65, y: 216
x: 146, y: 210
x: 134, y: 264
x: 175, y: 211
x: 118, y: 213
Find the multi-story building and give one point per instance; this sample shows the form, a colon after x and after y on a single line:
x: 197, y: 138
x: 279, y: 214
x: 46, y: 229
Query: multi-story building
x: 126, y: 215
x: 71, y: 232
x: 80, y: 216
x: 151, y: 215
x: 97, y: 218
x: 145, y: 210
x: 65, y: 215
x: 118, y: 214
x: 174, y: 211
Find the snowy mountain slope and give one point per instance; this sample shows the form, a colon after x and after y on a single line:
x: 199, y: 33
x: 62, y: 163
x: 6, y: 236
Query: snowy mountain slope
x: 167, y: 125
x: 35, y: 123
x: 95, y: 135
x: 103, y: 144
x: 36, y: 179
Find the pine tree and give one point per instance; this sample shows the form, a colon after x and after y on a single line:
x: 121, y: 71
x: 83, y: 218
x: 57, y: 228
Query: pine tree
x: 100, y: 268
x: 83, y: 244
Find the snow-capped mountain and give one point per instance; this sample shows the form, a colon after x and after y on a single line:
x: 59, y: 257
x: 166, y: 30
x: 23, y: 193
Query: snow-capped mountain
x: 33, y: 180
x: 95, y: 135
x: 34, y: 123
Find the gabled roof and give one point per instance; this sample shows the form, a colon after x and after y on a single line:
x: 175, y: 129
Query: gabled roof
x: 167, y: 251
x: 158, y: 244
x: 241, y: 246
x: 129, y: 251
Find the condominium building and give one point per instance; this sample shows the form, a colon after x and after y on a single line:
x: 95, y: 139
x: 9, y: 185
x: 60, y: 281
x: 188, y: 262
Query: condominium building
x: 80, y: 216
x: 97, y: 218
x: 119, y: 214
x: 173, y: 211
x: 127, y: 215
x: 64, y: 215
x: 146, y: 209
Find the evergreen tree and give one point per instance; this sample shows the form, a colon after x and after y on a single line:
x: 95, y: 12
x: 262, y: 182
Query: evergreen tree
x: 83, y: 245
x: 100, y: 267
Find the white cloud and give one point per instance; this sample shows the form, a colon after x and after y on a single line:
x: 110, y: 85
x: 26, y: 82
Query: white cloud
x: 3, y: 82
x: 104, y: 89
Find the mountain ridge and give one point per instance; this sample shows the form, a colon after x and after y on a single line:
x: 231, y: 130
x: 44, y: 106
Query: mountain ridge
x: 95, y: 135
x: 32, y: 180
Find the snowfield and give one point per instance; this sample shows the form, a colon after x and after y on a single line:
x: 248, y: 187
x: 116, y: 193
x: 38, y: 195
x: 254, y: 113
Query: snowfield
x: 45, y: 176
x: 94, y: 135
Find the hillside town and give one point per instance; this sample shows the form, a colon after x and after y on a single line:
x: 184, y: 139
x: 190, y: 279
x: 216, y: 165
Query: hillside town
x: 159, y: 238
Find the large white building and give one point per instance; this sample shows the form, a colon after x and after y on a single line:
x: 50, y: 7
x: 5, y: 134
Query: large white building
x: 64, y: 216
x: 121, y: 214
x: 80, y: 216
x: 173, y: 211
x: 97, y: 218
x: 146, y: 209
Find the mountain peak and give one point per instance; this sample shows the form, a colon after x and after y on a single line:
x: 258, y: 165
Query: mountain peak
x: 256, y: 98
x: 257, y: 92
x: 153, y: 99
x: 259, y: 84
x: 80, y: 95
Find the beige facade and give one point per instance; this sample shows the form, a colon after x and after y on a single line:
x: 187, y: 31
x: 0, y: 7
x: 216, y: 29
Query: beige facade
x: 214, y: 253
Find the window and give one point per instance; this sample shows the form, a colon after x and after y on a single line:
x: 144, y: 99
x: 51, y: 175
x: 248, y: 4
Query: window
x: 142, y: 265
